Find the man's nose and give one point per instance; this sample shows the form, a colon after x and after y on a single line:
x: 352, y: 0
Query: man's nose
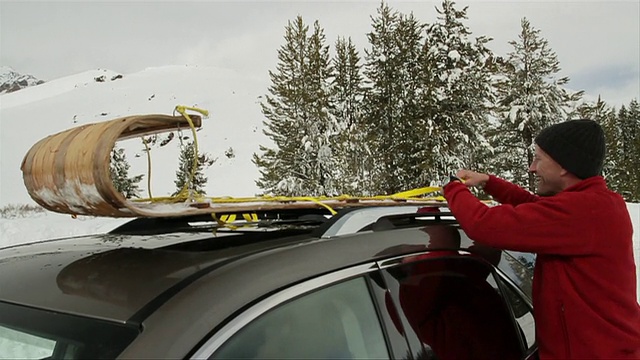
x: 532, y: 167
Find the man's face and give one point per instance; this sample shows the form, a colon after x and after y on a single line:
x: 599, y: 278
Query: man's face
x: 548, y: 173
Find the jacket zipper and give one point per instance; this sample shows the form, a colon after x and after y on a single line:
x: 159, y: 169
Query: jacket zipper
x: 565, y: 332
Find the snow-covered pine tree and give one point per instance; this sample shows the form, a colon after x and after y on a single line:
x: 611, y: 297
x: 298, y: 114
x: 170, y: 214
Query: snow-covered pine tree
x: 350, y: 149
x: 605, y: 115
x: 456, y: 93
x: 598, y: 111
x: 411, y: 152
x: 297, y: 117
x: 119, y: 167
x: 631, y: 126
x: 530, y: 98
x: 320, y: 125
x: 282, y: 108
x: 625, y: 176
x: 185, y: 168
x: 391, y: 105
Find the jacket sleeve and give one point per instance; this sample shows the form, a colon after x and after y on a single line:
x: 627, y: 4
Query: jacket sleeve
x: 505, y: 192
x: 547, y: 226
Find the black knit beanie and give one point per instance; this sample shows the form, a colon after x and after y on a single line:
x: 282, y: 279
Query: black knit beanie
x: 577, y: 145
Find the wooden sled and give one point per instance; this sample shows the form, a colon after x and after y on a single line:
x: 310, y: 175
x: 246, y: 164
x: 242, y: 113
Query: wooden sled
x: 69, y: 172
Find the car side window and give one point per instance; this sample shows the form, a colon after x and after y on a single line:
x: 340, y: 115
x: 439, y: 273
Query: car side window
x: 522, y: 312
x: 20, y: 345
x: 518, y: 266
x: 452, y: 309
x: 339, y: 321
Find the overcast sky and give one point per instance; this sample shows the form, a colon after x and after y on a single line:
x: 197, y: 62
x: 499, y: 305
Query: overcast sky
x: 597, y: 42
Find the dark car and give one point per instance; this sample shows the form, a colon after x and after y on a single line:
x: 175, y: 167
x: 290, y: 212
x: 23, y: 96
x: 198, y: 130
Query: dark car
x: 382, y: 282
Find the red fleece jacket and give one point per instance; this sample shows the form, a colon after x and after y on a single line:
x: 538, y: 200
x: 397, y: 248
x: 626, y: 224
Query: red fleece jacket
x: 584, y: 286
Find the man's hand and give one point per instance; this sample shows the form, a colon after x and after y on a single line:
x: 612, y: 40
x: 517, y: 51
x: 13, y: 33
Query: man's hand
x: 472, y: 178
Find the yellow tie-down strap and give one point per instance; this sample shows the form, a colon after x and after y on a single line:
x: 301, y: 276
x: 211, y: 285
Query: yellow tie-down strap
x: 227, y: 219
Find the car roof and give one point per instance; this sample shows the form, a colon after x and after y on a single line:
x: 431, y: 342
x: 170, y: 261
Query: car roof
x: 124, y: 276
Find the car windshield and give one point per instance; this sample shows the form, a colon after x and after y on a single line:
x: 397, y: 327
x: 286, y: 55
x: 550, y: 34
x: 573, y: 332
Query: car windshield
x: 27, y: 333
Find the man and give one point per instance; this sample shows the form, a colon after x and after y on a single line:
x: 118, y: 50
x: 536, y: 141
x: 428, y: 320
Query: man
x: 584, y: 287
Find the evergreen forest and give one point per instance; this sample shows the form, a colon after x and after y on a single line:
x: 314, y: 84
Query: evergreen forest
x: 421, y: 101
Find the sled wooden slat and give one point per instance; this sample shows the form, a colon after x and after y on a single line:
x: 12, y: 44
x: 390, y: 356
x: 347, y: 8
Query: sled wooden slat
x: 69, y: 172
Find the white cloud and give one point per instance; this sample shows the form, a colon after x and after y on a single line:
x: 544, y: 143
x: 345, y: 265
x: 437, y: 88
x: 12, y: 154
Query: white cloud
x: 55, y: 39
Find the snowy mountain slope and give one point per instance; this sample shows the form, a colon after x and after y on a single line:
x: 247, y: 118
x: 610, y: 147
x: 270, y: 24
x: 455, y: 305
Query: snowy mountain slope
x: 235, y: 122
x: 11, y: 80
x: 54, y: 88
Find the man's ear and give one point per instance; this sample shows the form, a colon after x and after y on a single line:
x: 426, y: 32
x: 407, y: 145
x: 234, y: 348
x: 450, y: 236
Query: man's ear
x: 569, y: 177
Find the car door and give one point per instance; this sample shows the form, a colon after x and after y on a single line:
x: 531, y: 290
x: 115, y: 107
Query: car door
x: 333, y: 316
x: 451, y: 306
x: 438, y: 305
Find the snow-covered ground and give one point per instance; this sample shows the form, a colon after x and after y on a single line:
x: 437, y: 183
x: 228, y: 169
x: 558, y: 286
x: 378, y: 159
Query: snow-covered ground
x: 50, y: 225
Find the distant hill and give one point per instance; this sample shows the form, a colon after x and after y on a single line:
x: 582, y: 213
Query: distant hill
x: 232, y: 133
x: 11, y: 81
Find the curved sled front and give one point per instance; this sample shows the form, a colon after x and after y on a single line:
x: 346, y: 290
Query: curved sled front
x: 69, y: 172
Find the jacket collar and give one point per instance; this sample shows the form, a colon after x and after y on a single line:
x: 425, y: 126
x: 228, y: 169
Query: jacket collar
x: 594, y: 182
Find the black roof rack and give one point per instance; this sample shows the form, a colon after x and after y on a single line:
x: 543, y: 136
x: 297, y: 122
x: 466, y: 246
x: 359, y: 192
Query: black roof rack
x: 162, y: 225
x: 325, y: 224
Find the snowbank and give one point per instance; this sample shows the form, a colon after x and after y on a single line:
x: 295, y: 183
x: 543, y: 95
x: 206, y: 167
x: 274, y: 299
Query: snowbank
x: 49, y: 225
